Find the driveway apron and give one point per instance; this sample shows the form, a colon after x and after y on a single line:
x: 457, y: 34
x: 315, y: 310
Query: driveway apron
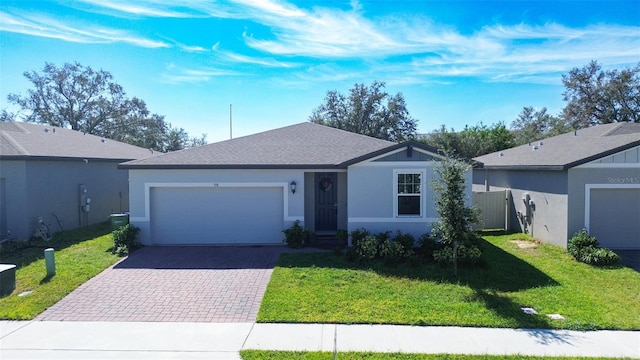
x: 179, y: 284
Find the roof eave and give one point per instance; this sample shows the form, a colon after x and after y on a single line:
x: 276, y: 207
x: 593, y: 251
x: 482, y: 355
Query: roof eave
x: 229, y: 166
x: 525, y: 167
x: 62, y: 158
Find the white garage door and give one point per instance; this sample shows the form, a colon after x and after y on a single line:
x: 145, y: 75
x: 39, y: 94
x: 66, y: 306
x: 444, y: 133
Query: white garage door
x: 216, y: 215
x: 614, y: 217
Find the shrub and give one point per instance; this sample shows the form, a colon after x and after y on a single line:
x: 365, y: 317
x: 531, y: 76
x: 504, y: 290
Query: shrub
x: 406, y: 240
x: 357, y: 235
x: 367, y: 248
x: 584, y: 248
x: 599, y: 256
x: 468, y: 254
x: 427, y: 244
x: 297, y: 236
x: 125, y: 240
x: 391, y: 251
x: 383, y: 236
x: 579, y: 242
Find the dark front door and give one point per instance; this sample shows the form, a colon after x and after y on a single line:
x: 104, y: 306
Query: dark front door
x: 326, y: 202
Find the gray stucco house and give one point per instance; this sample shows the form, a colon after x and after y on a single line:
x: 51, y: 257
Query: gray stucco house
x: 247, y: 190
x: 588, y: 179
x: 54, y: 172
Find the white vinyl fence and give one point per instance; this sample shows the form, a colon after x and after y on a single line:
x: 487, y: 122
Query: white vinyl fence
x: 494, y: 206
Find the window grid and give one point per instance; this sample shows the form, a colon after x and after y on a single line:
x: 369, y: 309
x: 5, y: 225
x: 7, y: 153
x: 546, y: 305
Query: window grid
x: 409, y: 194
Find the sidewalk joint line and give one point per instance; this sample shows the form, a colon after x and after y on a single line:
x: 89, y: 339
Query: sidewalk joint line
x: 247, y: 337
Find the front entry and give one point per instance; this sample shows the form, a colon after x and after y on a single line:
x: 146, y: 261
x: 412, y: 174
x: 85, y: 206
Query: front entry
x: 326, y: 203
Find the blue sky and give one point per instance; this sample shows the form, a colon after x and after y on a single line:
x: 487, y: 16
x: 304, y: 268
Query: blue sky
x: 456, y: 62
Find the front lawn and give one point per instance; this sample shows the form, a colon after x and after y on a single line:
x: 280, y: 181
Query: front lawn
x: 79, y: 255
x: 301, y: 355
x: 325, y: 288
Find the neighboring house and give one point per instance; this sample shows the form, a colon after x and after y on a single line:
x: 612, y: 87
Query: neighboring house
x: 64, y: 176
x: 585, y: 179
x: 247, y: 190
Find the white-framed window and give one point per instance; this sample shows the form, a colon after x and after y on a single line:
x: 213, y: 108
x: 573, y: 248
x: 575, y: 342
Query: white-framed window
x: 408, y: 192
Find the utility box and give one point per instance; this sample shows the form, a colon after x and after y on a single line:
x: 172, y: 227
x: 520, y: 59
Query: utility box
x: 119, y: 220
x: 7, y: 279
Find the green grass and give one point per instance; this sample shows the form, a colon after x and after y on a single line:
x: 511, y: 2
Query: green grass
x: 325, y: 288
x: 295, y: 355
x: 79, y: 255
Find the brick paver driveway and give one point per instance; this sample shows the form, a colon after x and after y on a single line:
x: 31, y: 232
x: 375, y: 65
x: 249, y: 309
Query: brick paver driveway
x: 212, y: 284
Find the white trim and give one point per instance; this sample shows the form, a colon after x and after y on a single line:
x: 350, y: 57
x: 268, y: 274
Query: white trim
x: 404, y: 148
x: 396, y: 163
x: 608, y: 165
x: 283, y: 185
x: 385, y: 155
x: 587, y: 197
x: 393, y: 220
x: 324, y: 170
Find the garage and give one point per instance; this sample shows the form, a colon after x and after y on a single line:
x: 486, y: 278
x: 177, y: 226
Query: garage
x: 202, y: 215
x: 614, y: 217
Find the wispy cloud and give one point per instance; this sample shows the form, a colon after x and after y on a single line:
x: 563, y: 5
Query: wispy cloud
x: 243, y: 59
x: 332, y: 44
x: 159, y: 8
x: 44, y: 26
x: 178, y: 75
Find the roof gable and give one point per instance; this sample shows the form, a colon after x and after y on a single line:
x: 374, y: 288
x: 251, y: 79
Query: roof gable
x: 304, y: 145
x: 20, y: 140
x: 567, y: 150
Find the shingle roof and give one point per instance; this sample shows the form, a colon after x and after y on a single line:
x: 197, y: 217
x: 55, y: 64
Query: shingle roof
x: 305, y: 145
x: 19, y: 140
x: 567, y: 150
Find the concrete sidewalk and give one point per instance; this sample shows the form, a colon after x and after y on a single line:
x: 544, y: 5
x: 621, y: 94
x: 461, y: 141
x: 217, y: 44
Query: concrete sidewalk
x: 156, y: 340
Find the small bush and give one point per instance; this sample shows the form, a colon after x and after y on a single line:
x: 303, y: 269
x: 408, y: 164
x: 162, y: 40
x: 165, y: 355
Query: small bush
x: 406, y: 240
x: 383, y: 236
x: 391, y: 251
x: 580, y: 241
x: 367, y: 248
x: 584, y: 248
x: 357, y: 235
x: 599, y: 256
x: 297, y: 236
x: 468, y: 254
x: 125, y: 240
x: 427, y: 244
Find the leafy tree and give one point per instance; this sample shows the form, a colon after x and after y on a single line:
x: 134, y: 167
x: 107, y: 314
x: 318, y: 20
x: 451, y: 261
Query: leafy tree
x: 78, y: 97
x: 454, y: 227
x: 472, y: 141
x: 7, y: 116
x: 595, y: 96
x: 534, y: 125
x: 367, y: 110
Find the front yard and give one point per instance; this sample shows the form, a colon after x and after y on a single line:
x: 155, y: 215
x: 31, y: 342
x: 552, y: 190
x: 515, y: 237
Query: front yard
x: 292, y: 355
x: 325, y: 288
x: 79, y: 254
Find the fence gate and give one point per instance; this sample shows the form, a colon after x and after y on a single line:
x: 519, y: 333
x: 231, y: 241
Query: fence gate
x: 494, y: 206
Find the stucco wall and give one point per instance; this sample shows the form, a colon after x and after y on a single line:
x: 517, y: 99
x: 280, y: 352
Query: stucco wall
x: 610, y: 177
x: 44, y: 188
x: 371, y: 198
x: 547, y: 220
x: 13, y: 173
x: 139, y: 197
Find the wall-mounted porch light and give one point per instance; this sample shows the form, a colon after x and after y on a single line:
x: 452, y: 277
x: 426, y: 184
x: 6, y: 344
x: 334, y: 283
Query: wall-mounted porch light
x: 293, y: 187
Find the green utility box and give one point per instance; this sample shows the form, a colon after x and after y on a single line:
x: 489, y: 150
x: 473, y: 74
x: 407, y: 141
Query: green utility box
x: 119, y: 220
